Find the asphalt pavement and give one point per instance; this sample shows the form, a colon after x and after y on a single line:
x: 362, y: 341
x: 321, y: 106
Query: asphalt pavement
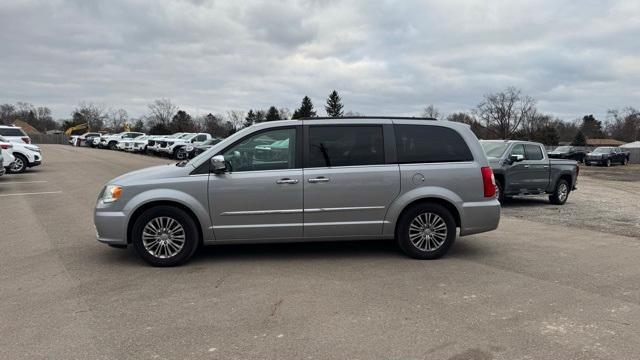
x: 528, y: 290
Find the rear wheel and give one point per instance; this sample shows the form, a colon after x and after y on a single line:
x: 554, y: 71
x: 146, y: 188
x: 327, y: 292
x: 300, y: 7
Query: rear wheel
x: 561, y: 193
x: 607, y: 163
x: 165, y: 236
x: 426, y: 231
x: 19, y: 165
x: 500, y: 192
x: 112, y: 145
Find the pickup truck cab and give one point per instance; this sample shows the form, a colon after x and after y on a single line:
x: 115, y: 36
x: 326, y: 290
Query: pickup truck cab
x: 111, y: 141
x: 524, y: 168
x: 606, y: 155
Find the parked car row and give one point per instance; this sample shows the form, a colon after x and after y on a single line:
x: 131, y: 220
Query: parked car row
x: 179, y: 146
x: 604, y: 155
x: 17, y: 154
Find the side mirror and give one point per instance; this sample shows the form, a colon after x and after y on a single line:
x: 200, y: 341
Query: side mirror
x: 516, y: 158
x: 218, y: 164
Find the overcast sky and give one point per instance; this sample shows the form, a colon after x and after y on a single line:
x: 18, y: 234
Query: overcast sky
x: 383, y: 57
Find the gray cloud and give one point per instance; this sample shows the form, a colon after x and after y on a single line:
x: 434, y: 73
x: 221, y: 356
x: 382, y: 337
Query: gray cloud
x: 387, y: 57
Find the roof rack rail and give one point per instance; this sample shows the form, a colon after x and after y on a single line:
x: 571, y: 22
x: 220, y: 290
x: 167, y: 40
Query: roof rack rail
x: 368, y: 117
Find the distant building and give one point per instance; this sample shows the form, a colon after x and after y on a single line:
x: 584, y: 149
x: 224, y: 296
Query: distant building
x: 30, y: 130
x: 604, y: 142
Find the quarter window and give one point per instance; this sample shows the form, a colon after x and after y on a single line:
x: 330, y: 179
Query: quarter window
x: 429, y: 144
x: 345, y: 146
x: 268, y: 150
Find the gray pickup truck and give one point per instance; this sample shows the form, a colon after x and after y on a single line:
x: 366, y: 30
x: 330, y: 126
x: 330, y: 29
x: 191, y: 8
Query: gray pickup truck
x: 524, y: 168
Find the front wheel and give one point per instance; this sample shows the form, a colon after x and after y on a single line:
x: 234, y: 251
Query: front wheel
x: 607, y: 163
x: 426, y: 231
x: 165, y: 236
x: 624, y: 161
x: 561, y: 193
x: 180, y: 153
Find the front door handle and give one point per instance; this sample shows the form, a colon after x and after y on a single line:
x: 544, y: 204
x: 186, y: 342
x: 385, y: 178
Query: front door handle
x: 320, y: 179
x: 287, y: 181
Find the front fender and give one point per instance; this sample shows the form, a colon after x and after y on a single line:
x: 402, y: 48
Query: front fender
x: 171, y: 195
x: 427, y: 192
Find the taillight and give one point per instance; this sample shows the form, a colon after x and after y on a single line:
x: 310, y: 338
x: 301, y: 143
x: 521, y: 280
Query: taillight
x: 6, y: 146
x: 26, y: 140
x: 488, y: 181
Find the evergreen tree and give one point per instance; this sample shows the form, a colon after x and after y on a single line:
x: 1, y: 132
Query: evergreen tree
x: 591, y: 127
x: 272, y: 114
x: 250, y: 119
x: 579, y: 140
x: 182, y: 122
x: 334, y: 105
x: 305, y: 110
x: 138, y: 126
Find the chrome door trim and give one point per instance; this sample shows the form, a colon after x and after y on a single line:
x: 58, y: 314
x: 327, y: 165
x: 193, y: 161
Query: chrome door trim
x: 296, y: 211
x: 254, y: 226
x: 337, y: 223
x: 341, y: 223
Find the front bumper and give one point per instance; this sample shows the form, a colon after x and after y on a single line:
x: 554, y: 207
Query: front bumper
x: 111, y: 226
x: 478, y: 217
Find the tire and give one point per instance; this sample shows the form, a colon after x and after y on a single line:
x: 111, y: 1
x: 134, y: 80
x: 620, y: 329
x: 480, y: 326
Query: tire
x: 607, y: 163
x: 624, y: 161
x: 419, y: 247
x: 561, y: 193
x: 179, y: 153
x: 112, y: 145
x: 587, y: 163
x: 169, y: 253
x: 20, y: 165
x: 500, y: 192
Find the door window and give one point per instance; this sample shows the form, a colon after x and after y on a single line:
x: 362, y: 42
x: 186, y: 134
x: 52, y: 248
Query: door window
x: 534, y: 152
x: 345, y: 146
x: 268, y: 150
x: 518, y: 150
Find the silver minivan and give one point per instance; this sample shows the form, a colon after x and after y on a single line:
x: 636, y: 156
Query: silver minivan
x: 323, y: 179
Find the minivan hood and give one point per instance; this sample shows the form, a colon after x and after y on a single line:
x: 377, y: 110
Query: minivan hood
x: 152, y: 173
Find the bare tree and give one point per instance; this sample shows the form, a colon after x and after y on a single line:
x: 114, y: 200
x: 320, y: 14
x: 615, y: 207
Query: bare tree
x: 117, y: 118
x: 236, y: 118
x: 90, y: 113
x: 431, y: 112
x: 161, y: 112
x: 533, y: 123
x: 504, y: 112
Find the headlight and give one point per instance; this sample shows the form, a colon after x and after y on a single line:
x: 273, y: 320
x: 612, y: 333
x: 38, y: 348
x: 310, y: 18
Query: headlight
x: 111, y: 193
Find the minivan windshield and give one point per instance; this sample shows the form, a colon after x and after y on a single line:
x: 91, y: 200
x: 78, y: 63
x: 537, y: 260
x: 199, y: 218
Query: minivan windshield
x: 494, y: 149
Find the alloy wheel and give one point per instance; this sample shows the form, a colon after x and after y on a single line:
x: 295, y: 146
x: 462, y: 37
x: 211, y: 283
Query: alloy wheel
x: 563, y: 192
x: 18, y: 165
x: 428, y: 231
x: 163, y: 237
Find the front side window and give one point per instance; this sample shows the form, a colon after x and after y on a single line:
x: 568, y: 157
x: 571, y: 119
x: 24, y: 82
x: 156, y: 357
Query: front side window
x: 331, y: 146
x: 430, y: 144
x: 268, y: 150
x: 518, y: 150
x: 534, y: 152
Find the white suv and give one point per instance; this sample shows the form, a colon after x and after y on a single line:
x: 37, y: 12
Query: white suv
x: 6, y: 156
x: 14, y: 134
x: 26, y: 155
x: 111, y: 141
x: 176, y: 147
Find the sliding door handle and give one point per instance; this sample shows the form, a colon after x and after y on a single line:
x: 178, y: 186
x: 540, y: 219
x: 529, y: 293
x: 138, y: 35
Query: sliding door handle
x: 287, y: 181
x: 320, y: 179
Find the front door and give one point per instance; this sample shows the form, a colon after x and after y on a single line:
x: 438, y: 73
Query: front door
x: 347, y: 184
x: 260, y: 196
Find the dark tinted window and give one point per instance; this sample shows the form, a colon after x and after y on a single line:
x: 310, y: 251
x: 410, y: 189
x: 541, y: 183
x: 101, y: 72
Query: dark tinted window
x: 345, y: 146
x: 534, y: 152
x: 11, y: 132
x: 427, y: 144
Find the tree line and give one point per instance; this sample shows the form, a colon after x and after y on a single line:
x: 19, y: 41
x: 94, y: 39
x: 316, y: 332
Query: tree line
x: 507, y: 114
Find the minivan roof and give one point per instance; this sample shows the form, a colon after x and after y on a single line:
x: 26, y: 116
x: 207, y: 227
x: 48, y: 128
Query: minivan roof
x: 367, y: 117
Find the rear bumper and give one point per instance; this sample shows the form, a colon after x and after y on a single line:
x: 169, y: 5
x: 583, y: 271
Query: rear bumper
x: 478, y: 217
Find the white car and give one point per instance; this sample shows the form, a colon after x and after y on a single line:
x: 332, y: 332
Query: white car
x: 158, y: 143
x: 7, y: 159
x: 14, y: 134
x: 26, y: 155
x: 176, y: 147
x: 111, y: 141
x: 140, y: 144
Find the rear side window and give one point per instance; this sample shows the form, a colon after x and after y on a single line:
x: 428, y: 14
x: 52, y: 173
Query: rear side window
x: 429, y: 144
x: 12, y: 132
x: 533, y: 152
x: 345, y: 146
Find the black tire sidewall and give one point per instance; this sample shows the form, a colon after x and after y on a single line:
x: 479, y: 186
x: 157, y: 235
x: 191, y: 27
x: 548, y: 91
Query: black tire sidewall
x: 402, y: 231
x: 191, y: 239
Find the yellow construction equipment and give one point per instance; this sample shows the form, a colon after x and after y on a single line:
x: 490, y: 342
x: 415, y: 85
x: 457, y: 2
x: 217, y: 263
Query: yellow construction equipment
x: 126, y: 127
x: 77, y: 127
